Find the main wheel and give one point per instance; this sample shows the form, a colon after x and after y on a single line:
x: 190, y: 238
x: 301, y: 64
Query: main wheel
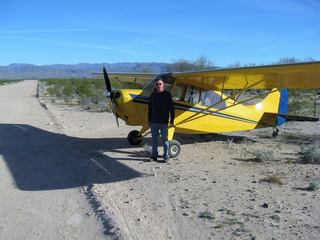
x: 174, y: 148
x: 134, y: 138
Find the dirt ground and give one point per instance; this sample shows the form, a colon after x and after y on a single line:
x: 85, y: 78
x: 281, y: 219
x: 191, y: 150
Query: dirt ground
x: 214, y: 190
x: 40, y: 174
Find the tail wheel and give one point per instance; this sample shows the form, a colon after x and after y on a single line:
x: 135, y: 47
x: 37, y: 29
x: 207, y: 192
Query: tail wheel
x: 134, y: 137
x: 275, y: 133
x: 174, y: 148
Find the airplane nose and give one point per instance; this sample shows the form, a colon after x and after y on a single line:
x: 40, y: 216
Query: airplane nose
x: 117, y: 95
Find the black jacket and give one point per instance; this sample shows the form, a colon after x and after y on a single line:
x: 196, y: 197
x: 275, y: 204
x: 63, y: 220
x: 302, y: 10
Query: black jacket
x: 160, y: 105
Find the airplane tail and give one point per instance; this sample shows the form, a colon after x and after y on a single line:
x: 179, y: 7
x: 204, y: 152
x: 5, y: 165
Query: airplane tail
x: 283, y: 107
x: 276, y: 104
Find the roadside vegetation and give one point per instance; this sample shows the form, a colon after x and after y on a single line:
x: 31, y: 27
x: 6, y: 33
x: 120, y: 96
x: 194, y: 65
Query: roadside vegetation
x: 87, y: 93
x: 3, y: 82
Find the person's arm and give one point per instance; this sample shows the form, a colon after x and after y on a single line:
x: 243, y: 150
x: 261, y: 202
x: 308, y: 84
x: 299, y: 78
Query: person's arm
x: 171, y: 109
x: 150, y: 108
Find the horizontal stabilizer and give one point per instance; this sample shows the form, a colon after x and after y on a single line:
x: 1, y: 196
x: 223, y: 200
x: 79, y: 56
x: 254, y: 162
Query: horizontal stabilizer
x: 300, y: 118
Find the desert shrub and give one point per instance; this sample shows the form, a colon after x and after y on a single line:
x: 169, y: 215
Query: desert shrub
x: 68, y: 91
x: 86, y: 92
x: 206, y: 215
x: 262, y: 155
x: 310, y: 155
x: 52, y: 91
x: 301, y: 102
x: 313, y: 186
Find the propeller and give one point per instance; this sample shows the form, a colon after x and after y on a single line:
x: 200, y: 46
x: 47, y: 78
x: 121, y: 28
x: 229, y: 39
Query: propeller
x: 107, y: 80
x: 110, y: 95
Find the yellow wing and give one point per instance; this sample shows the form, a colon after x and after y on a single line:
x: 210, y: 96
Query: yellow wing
x: 296, y: 76
x: 128, y: 77
x: 138, y: 79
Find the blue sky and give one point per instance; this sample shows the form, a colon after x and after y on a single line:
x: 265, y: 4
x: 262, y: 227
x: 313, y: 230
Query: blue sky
x: 96, y: 31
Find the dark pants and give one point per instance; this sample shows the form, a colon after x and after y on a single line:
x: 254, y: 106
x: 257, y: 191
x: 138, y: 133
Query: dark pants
x: 163, y: 128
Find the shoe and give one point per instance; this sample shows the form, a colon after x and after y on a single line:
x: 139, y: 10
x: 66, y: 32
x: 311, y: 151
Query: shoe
x: 166, y: 159
x: 153, y: 159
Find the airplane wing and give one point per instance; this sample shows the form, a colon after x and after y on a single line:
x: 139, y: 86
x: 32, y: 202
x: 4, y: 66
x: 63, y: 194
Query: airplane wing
x: 128, y: 77
x: 137, y: 79
x: 294, y: 76
x: 132, y: 76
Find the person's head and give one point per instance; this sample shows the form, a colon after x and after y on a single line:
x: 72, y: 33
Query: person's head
x: 159, y: 85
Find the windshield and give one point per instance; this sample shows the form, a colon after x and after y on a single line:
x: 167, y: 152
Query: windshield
x: 167, y: 79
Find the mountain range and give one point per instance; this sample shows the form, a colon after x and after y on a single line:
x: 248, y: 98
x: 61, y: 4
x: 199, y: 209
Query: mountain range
x: 81, y: 70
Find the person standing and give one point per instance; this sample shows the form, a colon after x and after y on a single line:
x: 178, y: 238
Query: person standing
x: 160, y: 109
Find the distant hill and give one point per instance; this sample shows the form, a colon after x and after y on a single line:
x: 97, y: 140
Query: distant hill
x: 81, y: 70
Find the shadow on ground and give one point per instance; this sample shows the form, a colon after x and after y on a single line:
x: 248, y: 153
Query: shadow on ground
x: 42, y: 160
x: 216, y: 137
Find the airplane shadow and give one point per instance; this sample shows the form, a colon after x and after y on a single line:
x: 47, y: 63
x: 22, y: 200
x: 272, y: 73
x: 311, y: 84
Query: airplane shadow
x: 41, y: 160
x: 216, y: 137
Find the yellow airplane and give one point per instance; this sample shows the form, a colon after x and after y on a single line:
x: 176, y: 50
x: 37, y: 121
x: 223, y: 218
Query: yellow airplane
x: 201, y: 107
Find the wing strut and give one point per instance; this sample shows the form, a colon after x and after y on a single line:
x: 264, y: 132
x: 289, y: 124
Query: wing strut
x: 193, y: 117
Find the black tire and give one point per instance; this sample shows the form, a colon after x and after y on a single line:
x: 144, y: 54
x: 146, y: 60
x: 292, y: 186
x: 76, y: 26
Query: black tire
x: 275, y: 134
x: 174, y: 148
x: 134, y: 138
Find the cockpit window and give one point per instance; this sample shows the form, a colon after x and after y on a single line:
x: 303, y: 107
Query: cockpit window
x: 193, y: 95
x: 168, y: 82
x: 209, y: 98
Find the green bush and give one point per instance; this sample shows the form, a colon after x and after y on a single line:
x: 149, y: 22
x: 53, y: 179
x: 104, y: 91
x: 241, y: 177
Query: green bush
x: 87, y: 92
x: 310, y: 154
x: 262, y: 155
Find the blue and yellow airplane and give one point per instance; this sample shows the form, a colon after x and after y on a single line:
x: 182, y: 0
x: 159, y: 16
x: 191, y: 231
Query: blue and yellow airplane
x: 201, y: 107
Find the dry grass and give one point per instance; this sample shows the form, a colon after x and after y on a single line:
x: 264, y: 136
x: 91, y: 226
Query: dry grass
x: 263, y: 155
x: 310, y: 155
x: 206, y: 215
x: 272, y: 179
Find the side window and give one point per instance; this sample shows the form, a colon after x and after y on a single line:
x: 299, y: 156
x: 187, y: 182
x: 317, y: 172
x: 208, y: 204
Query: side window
x: 178, y: 92
x: 209, y: 98
x: 193, y: 95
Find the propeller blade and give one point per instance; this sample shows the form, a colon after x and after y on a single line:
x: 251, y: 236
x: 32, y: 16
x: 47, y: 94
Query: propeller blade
x: 110, y: 95
x: 114, y: 112
x: 113, y: 109
x: 107, y: 80
x: 117, y: 120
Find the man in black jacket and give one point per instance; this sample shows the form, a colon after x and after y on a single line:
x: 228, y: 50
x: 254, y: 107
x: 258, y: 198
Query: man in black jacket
x: 160, y: 107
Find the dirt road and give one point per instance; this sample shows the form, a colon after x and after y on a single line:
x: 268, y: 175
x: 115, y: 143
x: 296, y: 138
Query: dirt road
x: 215, y: 189
x: 41, y: 173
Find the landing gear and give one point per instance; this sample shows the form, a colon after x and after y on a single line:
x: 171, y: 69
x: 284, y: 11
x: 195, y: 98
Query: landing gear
x: 174, y: 148
x: 275, y: 133
x: 134, y: 137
